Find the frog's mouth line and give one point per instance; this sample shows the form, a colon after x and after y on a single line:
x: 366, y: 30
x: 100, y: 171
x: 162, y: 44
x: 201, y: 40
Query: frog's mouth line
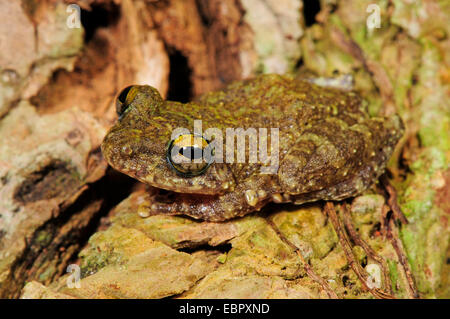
x: 176, y: 184
x: 165, y: 196
x: 193, y: 189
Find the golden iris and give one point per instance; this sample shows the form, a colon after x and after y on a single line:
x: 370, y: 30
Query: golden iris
x: 189, y: 155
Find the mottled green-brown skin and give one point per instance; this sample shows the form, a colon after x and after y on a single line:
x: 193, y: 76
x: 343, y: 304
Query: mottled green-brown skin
x: 329, y: 147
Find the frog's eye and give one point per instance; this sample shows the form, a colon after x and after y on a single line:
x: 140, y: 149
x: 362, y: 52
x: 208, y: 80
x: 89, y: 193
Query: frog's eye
x: 190, y: 155
x: 124, y: 99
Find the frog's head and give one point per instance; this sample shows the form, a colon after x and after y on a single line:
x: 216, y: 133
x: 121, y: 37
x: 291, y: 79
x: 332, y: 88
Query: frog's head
x: 141, y: 144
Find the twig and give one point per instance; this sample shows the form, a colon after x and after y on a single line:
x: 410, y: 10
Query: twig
x: 392, y: 200
x: 392, y: 234
x: 384, y: 220
x: 369, y: 251
x: 308, y: 268
x: 345, y: 243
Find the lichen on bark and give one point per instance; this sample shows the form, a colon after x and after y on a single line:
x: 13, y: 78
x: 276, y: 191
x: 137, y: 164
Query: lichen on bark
x: 57, y: 101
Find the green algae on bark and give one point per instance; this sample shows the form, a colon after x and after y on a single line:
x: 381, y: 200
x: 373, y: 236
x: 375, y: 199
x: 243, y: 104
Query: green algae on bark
x: 428, y: 214
x: 258, y: 264
x: 411, y: 71
x: 125, y: 263
x: 46, y: 165
x: 410, y: 68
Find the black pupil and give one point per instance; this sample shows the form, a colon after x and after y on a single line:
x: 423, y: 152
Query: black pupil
x: 123, y: 95
x: 191, y: 152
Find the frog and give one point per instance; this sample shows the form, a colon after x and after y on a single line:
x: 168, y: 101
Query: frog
x: 329, y: 148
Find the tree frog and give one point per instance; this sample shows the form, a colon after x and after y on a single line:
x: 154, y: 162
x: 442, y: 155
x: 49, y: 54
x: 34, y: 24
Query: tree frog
x: 327, y: 146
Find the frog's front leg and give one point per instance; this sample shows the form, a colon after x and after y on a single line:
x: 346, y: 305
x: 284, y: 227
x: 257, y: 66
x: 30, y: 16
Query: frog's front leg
x: 209, y: 207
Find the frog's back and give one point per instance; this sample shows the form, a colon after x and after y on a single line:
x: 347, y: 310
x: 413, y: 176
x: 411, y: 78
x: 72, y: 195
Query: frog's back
x: 330, y: 148
x: 274, y: 100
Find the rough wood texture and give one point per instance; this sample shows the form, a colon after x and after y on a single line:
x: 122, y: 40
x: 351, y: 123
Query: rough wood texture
x: 47, y: 166
x: 57, y: 89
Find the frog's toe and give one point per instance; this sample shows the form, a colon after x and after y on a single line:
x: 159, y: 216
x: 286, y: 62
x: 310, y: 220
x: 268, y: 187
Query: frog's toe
x: 213, y: 208
x: 156, y: 209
